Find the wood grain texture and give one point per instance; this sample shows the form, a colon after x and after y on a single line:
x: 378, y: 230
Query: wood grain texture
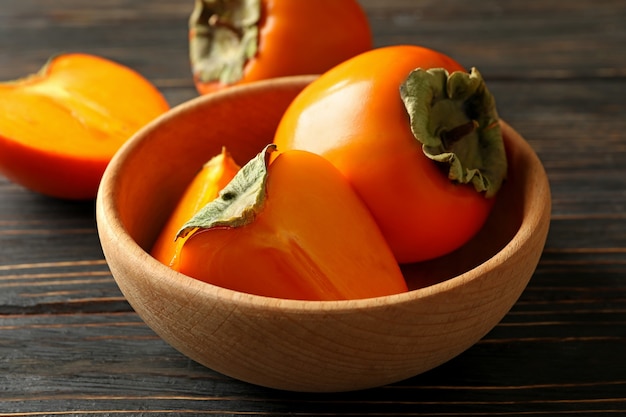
x: 558, y: 70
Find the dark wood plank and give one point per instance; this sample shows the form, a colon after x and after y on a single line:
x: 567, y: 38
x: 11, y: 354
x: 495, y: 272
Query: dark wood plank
x: 70, y: 344
x: 113, y: 363
x: 149, y: 36
x: 50, y: 256
x: 519, y: 38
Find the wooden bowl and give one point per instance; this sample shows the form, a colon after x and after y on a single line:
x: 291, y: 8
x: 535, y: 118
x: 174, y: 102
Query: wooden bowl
x: 307, y: 345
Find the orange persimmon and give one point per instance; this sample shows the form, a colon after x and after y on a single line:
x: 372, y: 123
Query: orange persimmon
x: 242, y: 41
x: 60, y: 127
x: 293, y: 230
x: 205, y: 187
x: 412, y: 131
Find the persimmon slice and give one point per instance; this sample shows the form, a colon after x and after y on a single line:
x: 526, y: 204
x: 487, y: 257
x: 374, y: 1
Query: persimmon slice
x: 296, y: 230
x: 204, y: 188
x: 60, y: 127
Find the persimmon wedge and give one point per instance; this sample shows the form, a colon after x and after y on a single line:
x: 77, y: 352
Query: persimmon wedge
x: 294, y: 229
x: 204, y: 188
x: 60, y: 127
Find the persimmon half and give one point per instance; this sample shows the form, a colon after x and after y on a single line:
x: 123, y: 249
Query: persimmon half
x: 295, y: 230
x: 59, y: 128
x: 415, y: 134
x: 236, y: 42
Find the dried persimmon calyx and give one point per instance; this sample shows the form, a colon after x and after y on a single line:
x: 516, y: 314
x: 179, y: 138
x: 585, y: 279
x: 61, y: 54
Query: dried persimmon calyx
x: 454, y: 117
x: 224, y: 36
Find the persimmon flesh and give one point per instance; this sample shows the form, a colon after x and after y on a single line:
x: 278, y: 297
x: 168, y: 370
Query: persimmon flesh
x: 59, y: 128
x: 310, y: 239
x: 204, y: 187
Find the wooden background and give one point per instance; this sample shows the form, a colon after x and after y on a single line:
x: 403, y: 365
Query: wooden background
x: 70, y: 344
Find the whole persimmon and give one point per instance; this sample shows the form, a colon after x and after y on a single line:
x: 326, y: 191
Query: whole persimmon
x: 59, y: 128
x: 237, y: 42
x: 415, y: 134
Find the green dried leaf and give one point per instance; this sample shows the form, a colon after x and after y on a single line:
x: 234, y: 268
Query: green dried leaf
x: 224, y: 36
x: 454, y: 117
x: 239, y: 202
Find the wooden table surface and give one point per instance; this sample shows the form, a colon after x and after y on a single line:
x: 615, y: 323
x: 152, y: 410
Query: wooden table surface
x: 70, y: 343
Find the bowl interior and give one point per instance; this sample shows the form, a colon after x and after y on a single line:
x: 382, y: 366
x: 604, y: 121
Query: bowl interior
x: 151, y: 174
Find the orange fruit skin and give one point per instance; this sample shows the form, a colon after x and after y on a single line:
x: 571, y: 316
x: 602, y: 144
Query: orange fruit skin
x: 299, y: 37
